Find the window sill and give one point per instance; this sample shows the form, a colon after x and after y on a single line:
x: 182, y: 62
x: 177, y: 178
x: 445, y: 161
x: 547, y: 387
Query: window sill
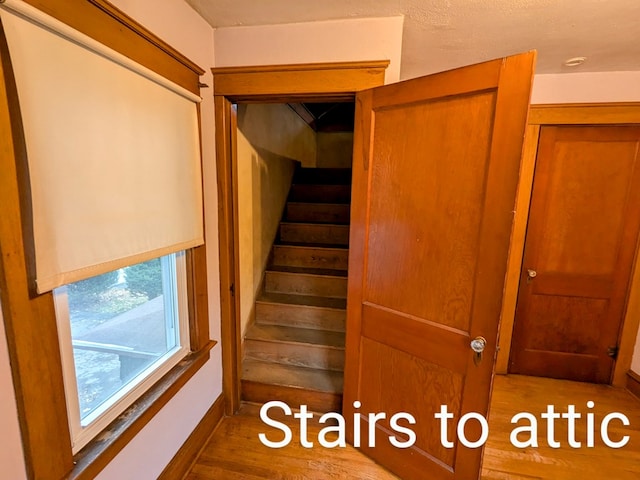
x: 100, y: 451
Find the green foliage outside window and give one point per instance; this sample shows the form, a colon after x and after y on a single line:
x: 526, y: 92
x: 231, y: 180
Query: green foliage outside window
x: 145, y: 278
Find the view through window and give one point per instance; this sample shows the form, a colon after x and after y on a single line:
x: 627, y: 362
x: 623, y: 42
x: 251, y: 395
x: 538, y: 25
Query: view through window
x: 117, y: 329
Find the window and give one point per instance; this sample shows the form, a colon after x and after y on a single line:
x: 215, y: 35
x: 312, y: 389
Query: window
x: 119, y: 333
x: 29, y: 314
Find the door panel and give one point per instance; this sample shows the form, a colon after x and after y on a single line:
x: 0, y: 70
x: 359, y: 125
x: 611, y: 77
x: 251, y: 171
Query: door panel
x: 581, y: 241
x: 436, y: 163
x: 448, y: 243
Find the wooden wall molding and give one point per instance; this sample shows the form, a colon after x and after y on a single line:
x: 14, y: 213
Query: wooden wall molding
x: 297, y: 82
x: 182, y: 462
x: 584, y: 114
x: 30, y: 323
x: 103, y: 22
x: 633, y: 383
x: 516, y: 247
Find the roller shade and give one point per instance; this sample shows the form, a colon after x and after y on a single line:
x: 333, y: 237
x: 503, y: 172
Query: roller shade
x: 113, y: 152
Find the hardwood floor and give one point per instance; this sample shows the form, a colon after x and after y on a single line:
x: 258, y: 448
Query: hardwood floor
x: 235, y: 452
x: 513, y: 394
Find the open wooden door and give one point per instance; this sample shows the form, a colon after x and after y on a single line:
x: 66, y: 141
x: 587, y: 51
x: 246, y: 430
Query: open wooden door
x: 435, y: 171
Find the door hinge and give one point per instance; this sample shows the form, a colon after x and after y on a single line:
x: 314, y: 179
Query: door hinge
x: 232, y: 289
x: 613, y: 352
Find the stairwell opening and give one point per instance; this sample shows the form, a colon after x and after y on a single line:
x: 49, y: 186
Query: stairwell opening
x: 293, y: 190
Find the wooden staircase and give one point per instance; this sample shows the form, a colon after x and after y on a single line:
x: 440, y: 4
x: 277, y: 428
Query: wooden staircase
x: 294, y: 352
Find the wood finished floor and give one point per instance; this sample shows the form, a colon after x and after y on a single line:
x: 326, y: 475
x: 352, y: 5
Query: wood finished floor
x: 235, y: 452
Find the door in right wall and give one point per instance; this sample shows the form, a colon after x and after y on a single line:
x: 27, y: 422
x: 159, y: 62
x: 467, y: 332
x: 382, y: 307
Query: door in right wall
x: 579, y: 251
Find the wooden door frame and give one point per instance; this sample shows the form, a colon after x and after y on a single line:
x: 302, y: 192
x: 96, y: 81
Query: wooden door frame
x: 263, y: 84
x: 565, y: 114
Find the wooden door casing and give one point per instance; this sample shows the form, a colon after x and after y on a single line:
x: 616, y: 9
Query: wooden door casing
x: 436, y: 163
x: 581, y: 242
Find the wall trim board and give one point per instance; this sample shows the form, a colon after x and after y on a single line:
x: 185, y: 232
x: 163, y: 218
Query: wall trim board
x: 277, y: 83
x: 565, y: 114
x: 584, y: 114
x: 292, y: 81
x: 633, y: 383
x: 516, y: 248
x: 183, y: 460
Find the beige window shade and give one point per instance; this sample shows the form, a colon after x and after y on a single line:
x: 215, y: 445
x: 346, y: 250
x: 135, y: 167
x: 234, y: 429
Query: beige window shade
x: 113, y: 152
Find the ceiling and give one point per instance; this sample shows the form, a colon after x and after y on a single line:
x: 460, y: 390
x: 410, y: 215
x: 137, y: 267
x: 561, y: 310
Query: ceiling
x: 443, y: 34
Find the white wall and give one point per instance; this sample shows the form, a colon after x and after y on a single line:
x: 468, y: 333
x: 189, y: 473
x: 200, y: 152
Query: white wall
x: 635, y: 362
x: 270, y: 139
x: 148, y: 453
x: 326, y: 41
x: 588, y: 87
x: 276, y: 128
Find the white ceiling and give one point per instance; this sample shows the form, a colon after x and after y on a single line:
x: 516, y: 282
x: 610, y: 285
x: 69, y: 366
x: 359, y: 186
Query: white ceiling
x: 443, y: 34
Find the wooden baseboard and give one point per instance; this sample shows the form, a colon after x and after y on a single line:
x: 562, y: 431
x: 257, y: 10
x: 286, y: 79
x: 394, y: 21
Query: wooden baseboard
x: 181, y: 463
x: 633, y: 383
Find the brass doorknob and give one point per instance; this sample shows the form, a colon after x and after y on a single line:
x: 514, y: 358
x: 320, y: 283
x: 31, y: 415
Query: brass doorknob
x: 531, y: 273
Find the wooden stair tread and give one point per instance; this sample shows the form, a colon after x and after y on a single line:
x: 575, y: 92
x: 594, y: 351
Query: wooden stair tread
x: 313, y: 212
x: 329, y: 272
x: 303, y: 300
x: 328, y: 233
x: 314, y: 246
x: 295, y: 348
x: 315, y: 224
x: 284, y: 334
x: 310, y: 257
x: 318, y: 204
x: 328, y: 246
x: 292, y: 376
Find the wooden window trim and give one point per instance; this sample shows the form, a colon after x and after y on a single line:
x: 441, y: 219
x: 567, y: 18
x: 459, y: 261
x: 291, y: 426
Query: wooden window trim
x: 30, y: 320
x: 565, y: 114
x: 273, y: 83
x: 103, y: 22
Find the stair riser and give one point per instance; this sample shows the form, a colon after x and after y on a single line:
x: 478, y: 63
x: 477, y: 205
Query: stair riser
x: 320, y: 193
x: 302, y: 316
x: 303, y: 233
x: 317, y: 213
x: 301, y: 355
x: 301, y: 284
x: 325, y: 176
x: 321, y: 402
x: 309, y: 257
